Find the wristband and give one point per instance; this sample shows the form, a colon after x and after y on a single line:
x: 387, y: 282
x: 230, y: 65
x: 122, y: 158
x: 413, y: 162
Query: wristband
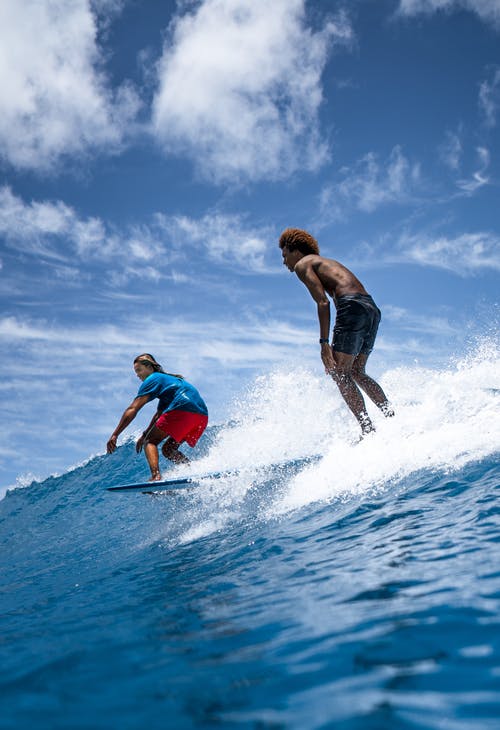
x: 323, y: 341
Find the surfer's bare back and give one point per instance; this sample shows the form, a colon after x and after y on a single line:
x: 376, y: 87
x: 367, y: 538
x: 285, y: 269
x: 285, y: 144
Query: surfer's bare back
x: 356, y: 323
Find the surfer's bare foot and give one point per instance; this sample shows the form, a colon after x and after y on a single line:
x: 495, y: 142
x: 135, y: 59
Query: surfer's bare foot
x: 387, y: 410
x: 364, y: 434
x: 155, y: 477
x: 365, y: 423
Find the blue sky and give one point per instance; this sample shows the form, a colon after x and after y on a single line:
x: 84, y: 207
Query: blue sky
x: 152, y: 152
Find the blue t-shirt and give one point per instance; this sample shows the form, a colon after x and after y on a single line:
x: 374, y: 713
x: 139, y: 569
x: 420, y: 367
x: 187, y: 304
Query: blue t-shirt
x: 174, y: 394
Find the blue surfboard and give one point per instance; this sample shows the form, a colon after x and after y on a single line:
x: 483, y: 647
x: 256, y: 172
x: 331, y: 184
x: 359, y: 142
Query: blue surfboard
x: 189, y: 480
x: 163, y: 484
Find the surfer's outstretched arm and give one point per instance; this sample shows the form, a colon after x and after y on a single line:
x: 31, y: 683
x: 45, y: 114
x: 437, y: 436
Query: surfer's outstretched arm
x: 127, y: 417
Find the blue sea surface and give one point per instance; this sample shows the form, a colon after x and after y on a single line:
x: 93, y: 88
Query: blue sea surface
x: 312, y: 596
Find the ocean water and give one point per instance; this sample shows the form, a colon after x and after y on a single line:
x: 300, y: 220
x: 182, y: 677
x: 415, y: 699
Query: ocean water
x: 361, y: 590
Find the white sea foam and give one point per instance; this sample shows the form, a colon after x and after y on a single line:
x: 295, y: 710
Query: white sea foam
x: 444, y: 420
x: 285, y: 415
x: 22, y: 481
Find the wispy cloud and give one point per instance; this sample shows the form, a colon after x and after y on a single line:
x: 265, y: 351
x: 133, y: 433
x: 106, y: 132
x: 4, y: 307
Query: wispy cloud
x: 239, y: 88
x: 489, y: 98
x: 39, y: 226
x: 464, y: 255
x: 370, y: 183
x: 54, y: 232
x: 54, y: 96
x: 216, y: 342
x: 451, y: 150
x: 488, y: 10
x: 479, y: 177
x: 226, y: 239
x: 408, y: 321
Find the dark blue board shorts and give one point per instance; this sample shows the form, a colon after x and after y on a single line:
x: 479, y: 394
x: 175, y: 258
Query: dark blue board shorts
x: 356, y: 324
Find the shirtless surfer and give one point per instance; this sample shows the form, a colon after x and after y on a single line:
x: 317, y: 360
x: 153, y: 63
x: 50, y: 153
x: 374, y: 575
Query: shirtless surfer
x: 355, y: 326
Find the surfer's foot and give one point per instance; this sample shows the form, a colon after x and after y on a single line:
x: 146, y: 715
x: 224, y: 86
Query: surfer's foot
x: 366, y: 424
x: 155, y: 477
x: 364, y: 434
x: 387, y: 410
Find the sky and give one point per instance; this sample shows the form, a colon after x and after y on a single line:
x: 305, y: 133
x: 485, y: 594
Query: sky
x: 151, y: 153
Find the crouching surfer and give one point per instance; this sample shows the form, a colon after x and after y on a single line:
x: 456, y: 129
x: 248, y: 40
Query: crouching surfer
x: 181, y: 415
x: 356, y: 323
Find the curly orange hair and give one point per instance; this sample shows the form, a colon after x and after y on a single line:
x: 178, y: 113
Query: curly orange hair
x: 295, y: 239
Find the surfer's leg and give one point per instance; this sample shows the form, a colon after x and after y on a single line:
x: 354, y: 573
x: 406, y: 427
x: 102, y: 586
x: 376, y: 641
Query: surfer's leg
x: 170, y: 450
x: 180, y: 426
x: 350, y: 392
x: 370, y: 386
x: 155, y: 436
x: 151, y: 452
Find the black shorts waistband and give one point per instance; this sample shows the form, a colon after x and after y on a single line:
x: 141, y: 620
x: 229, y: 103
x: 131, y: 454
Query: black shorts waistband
x: 363, y: 298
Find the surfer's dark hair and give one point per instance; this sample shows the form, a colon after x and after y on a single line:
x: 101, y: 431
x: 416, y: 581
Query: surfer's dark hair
x: 295, y: 239
x: 147, y: 359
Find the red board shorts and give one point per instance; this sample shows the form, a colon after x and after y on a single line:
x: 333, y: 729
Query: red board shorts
x: 182, y: 425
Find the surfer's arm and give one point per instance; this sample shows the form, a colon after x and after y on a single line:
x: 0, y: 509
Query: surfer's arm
x: 127, y: 417
x: 316, y: 289
x: 306, y: 273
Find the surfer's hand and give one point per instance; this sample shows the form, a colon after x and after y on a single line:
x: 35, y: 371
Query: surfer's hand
x: 327, y: 358
x: 111, y: 445
x: 139, y: 444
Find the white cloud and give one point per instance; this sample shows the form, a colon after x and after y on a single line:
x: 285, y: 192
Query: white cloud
x: 369, y: 184
x: 44, y: 228
x: 479, y: 177
x: 489, y: 99
x: 54, y: 97
x: 409, y: 321
x: 225, y: 238
x: 463, y: 255
x: 488, y: 10
x: 240, y: 88
x: 53, y: 232
x: 450, y: 152
x: 242, y: 343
